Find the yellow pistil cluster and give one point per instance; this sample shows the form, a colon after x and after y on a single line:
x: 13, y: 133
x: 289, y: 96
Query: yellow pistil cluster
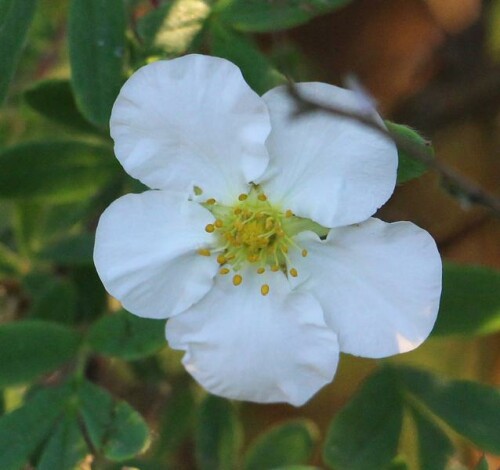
x: 253, y: 232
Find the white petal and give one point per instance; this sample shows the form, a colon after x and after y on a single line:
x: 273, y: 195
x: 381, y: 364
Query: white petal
x: 146, y: 253
x: 191, y: 121
x: 379, y: 284
x: 329, y: 169
x: 242, y: 345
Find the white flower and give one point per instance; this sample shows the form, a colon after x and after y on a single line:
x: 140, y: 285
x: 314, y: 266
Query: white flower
x: 256, y: 240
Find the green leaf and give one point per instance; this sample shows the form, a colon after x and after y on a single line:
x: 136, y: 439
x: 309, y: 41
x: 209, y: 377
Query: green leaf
x: 114, y: 427
x: 15, y: 19
x: 470, y: 304
x: 365, y: 433
x: 56, y: 301
x: 482, y: 464
x: 177, y: 419
x: 239, y: 49
x: 54, y: 100
x: 286, y: 445
x: 126, y: 336
x: 31, y: 348
x: 434, y: 446
x: 71, y: 251
x: 22, y: 430
x: 409, y: 168
x: 96, y: 52
x: 91, y: 296
x: 172, y: 27
x: 218, y: 435
x: 55, y: 171
x: 10, y: 263
x: 66, y: 446
x: 274, y: 15
x: 470, y: 408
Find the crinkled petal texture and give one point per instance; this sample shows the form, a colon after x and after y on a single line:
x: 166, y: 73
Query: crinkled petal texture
x: 379, y: 284
x: 242, y: 345
x: 330, y: 169
x: 146, y: 252
x: 191, y: 121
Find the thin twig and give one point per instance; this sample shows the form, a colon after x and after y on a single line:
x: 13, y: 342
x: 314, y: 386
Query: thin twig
x: 472, y: 192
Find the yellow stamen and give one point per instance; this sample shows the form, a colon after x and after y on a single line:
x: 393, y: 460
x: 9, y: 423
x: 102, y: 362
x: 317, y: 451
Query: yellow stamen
x: 237, y: 279
x: 197, y: 190
x: 261, y: 270
x: 304, y: 252
x: 204, y: 252
x: 210, y: 201
x: 262, y: 197
x: 221, y: 259
x: 224, y: 271
x: 293, y: 272
x: 275, y: 268
x: 218, y: 223
x: 242, y: 197
x: 210, y: 228
x: 288, y: 213
x: 264, y: 289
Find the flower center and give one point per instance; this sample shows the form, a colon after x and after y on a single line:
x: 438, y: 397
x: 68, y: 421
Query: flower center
x: 254, y: 232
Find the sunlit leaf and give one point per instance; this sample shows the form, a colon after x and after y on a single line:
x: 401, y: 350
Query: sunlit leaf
x: 22, y: 430
x: 127, y: 336
x: 218, y: 435
x: 470, y: 302
x: 66, y: 446
x: 15, y: 19
x: 96, y: 52
x: 172, y: 27
x: 114, y: 427
x: 408, y: 167
x: 54, y: 99
x: 284, y: 446
x: 274, y: 15
x: 365, y: 433
x: 31, y: 348
x: 239, y: 49
x: 55, y: 171
x: 470, y: 408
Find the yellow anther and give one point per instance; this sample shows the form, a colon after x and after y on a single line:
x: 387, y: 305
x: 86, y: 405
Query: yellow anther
x: 293, y: 272
x: 210, y: 201
x: 224, y: 271
x: 261, y: 270
x: 275, y: 268
x: 197, y: 190
x: 237, y: 211
x: 253, y: 258
x: 264, y: 289
x: 304, y: 252
x: 204, y: 252
x: 288, y: 213
x: 221, y: 259
x: 218, y: 223
x: 262, y: 197
x: 269, y: 223
x: 284, y: 249
x: 210, y: 228
x: 237, y: 279
x: 242, y: 197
